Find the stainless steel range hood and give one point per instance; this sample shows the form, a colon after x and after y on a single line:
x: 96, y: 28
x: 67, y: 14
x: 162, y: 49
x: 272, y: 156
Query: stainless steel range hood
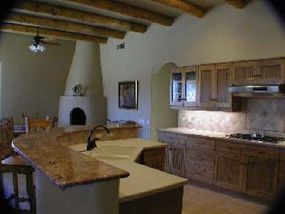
x: 258, y: 90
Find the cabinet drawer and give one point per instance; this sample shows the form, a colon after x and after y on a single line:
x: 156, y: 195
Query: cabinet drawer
x: 171, y: 137
x: 199, y: 171
x: 261, y: 152
x: 165, y: 136
x: 227, y: 146
x: 200, y: 143
x: 199, y: 154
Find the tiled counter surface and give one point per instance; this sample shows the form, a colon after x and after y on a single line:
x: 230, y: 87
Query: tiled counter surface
x: 219, y: 136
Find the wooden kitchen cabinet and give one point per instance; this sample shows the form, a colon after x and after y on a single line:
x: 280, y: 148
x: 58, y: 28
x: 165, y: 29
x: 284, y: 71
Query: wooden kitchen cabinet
x: 191, y: 89
x: 229, y: 170
x: 206, y: 83
x: 176, y: 157
x: 214, y: 83
x: 264, y: 72
x: 261, y: 176
x: 154, y: 158
x: 184, y: 86
x: 174, y: 152
x: 244, y: 72
x: 199, y: 159
x: 271, y: 71
x: 176, y: 87
x: 261, y: 171
x: 281, y: 176
x: 255, y: 170
x: 223, y: 80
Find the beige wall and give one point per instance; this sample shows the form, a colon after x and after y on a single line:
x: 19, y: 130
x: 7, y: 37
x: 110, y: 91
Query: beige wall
x: 161, y: 115
x: 224, y: 34
x: 32, y: 83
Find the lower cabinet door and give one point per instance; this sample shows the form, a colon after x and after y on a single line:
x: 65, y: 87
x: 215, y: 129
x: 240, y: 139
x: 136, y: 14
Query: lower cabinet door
x: 154, y: 158
x: 177, y: 158
x: 281, y: 176
x: 229, y: 171
x: 199, y: 171
x: 199, y: 162
x: 261, y: 176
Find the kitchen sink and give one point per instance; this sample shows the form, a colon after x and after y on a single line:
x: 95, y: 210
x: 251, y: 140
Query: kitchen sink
x: 115, y: 150
x: 106, y: 152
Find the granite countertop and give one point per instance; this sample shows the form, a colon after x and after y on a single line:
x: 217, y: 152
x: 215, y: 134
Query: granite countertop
x: 221, y: 136
x: 47, y: 152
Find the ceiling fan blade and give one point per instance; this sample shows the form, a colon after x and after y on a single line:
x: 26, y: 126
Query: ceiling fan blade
x: 51, y: 43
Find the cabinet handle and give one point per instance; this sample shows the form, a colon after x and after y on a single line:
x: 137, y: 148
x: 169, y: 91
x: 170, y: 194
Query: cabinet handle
x: 214, y: 99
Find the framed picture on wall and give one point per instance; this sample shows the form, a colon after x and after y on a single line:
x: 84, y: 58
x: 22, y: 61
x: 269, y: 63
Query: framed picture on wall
x: 128, y: 94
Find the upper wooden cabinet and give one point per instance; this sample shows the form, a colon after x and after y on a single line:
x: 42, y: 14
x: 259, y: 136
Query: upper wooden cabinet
x: 206, y: 87
x: 270, y: 71
x: 206, y: 84
x: 223, y: 80
x: 214, y: 83
x: 176, y: 87
x: 184, y: 86
x: 191, y: 86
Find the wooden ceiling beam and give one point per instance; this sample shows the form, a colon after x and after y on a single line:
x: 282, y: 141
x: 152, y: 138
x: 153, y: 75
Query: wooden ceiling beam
x: 237, y: 3
x: 34, y: 8
x: 30, y: 30
x: 126, y: 10
x: 63, y: 25
x: 183, y: 6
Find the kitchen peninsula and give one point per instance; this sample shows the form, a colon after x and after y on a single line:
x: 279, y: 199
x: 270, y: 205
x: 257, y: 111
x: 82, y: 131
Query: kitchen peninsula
x: 104, y: 180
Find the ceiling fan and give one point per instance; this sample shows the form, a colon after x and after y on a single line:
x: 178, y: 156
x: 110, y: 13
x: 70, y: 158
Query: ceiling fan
x: 39, y: 43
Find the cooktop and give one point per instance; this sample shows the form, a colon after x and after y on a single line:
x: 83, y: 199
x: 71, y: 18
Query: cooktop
x: 257, y: 137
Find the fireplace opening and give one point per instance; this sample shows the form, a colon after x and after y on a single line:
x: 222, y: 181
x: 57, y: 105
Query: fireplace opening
x: 77, y: 117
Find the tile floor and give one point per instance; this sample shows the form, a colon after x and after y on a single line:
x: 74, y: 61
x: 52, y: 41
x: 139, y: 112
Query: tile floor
x: 200, y: 200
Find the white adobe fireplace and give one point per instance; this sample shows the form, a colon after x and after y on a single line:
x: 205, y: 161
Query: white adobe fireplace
x: 85, y: 70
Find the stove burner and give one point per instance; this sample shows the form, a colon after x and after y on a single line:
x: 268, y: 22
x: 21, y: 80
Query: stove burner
x: 255, y: 137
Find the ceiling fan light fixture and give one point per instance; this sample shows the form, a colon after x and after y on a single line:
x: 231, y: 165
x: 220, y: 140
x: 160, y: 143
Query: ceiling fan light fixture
x: 35, y: 48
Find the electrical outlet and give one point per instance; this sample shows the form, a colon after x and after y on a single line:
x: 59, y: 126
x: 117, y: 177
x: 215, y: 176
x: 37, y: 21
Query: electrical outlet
x: 141, y: 122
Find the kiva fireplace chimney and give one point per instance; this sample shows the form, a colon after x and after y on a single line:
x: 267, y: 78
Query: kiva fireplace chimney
x: 85, y: 70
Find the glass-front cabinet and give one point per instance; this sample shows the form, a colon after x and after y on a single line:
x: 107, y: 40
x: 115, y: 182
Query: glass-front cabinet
x: 184, y: 86
x: 176, y: 87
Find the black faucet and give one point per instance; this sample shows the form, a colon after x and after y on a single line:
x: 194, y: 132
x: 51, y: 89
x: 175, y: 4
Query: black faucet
x: 91, y: 144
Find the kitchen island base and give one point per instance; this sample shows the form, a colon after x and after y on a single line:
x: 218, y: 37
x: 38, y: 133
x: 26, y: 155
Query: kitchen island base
x: 99, y: 197
x: 166, y: 202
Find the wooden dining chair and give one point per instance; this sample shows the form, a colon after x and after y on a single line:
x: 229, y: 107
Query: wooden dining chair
x: 6, y: 136
x: 13, y: 163
x: 33, y: 125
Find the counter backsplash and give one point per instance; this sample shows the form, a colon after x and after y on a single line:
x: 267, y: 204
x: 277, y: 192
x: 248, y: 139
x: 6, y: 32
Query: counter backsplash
x: 258, y: 114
